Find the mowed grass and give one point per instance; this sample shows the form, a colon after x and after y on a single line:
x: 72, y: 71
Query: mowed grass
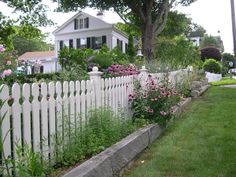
x: 224, y: 81
x: 200, y: 144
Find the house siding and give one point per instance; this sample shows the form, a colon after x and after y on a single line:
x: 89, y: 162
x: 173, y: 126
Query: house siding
x: 115, y: 36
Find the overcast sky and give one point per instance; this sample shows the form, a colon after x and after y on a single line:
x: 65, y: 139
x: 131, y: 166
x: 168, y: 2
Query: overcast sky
x: 213, y: 15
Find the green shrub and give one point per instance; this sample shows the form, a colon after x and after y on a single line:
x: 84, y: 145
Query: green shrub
x: 103, y: 60
x: 212, y: 66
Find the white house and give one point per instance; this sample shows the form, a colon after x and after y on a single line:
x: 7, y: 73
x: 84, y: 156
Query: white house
x: 86, y: 31
x: 196, y: 40
x: 46, y: 59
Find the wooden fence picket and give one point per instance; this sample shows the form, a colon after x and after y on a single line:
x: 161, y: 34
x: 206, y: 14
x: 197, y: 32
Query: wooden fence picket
x: 5, y: 124
x: 52, y: 119
x: 44, y: 120
x: 26, y: 111
x: 16, y: 117
x: 36, y: 117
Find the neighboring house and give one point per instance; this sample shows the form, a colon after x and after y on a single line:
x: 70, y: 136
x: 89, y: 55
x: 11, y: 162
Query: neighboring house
x: 86, y: 31
x: 196, y: 40
x: 46, y: 59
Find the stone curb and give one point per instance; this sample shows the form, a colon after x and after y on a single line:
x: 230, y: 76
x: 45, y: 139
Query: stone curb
x: 114, y: 159
x: 109, y: 162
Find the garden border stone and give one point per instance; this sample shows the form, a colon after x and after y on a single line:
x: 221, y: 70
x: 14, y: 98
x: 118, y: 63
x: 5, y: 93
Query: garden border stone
x: 112, y: 161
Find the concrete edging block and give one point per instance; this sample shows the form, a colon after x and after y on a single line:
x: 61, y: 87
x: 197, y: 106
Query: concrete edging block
x: 109, y: 162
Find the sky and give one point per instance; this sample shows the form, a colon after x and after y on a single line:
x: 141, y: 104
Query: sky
x: 213, y: 15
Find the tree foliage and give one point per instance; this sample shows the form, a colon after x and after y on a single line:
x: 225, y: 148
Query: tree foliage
x: 22, y: 45
x: 197, y: 31
x: 212, y: 41
x: 177, y: 24
x: 210, y: 52
x: 30, y: 16
x: 175, y: 52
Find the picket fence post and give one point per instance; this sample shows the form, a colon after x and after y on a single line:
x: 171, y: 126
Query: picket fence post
x: 142, y: 77
x: 95, y: 76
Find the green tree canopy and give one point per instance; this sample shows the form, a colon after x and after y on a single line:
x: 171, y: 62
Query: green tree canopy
x: 32, y: 14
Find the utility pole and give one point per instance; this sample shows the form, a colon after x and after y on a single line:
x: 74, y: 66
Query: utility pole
x: 233, y: 27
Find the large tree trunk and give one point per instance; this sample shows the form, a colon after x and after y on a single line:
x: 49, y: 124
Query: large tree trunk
x: 148, y: 41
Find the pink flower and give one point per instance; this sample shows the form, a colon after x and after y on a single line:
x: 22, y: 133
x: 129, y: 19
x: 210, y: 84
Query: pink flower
x: 131, y: 97
x: 150, y: 111
x: 8, y: 62
x: 2, y: 49
x: 6, y: 72
x: 163, y: 93
x: 163, y: 113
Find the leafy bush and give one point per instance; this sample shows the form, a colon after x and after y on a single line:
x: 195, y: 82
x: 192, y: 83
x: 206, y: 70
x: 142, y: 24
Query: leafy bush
x: 73, y: 57
x: 212, y: 66
x: 155, y: 101
x: 210, y: 52
x: 103, y: 60
x: 175, y: 52
x: 101, y: 131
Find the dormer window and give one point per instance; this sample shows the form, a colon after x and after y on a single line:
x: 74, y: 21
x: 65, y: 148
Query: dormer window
x: 81, y: 23
x: 86, y: 22
x: 76, y: 26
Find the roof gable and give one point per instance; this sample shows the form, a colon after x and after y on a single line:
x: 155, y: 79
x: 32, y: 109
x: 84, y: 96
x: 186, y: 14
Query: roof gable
x: 94, y: 23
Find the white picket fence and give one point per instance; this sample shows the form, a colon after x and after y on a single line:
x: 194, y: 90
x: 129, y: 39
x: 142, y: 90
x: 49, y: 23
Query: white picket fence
x: 38, y: 110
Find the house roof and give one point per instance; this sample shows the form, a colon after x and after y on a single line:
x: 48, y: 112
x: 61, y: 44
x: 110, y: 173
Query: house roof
x: 72, y: 18
x: 83, y: 13
x: 37, y: 55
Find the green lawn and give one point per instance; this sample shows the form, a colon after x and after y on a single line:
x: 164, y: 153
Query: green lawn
x: 224, y: 81
x: 200, y: 144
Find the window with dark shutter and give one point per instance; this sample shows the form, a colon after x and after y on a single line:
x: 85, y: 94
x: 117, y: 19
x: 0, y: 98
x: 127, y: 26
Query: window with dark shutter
x: 86, y: 22
x: 61, y: 45
x: 121, y: 46
x: 93, y: 43
x: 88, y: 42
x: 71, y: 43
x: 126, y: 47
x: 117, y: 42
x: 75, y: 24
x: 81, y: 23
x: 104, y: 39
x: 77, y: 43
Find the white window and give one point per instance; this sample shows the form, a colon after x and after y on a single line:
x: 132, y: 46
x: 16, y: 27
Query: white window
x: 83, y: 43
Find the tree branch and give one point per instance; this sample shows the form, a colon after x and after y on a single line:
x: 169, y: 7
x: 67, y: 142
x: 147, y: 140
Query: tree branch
x: 122, y: 18
x: 161, y: 19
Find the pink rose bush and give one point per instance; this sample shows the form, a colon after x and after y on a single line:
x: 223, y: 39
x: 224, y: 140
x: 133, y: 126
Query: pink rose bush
x: 154, y: 102
x: 122, y: 70
x: 7, y: 63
